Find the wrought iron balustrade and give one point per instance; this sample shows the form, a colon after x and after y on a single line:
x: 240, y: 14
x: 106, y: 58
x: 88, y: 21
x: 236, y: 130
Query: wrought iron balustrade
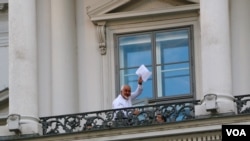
x: 120, y: 118
x: 117, y: 118
x: 243, y: 103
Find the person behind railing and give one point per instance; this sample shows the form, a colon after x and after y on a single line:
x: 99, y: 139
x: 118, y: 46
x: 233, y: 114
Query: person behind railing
x: 125, y: 98
x: 160, y: 118
x: 88, y: 126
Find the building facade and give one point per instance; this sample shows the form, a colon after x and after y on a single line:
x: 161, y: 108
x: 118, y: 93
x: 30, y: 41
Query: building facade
x: 72, y: 56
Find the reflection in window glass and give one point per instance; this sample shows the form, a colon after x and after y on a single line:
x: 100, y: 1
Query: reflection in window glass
x: 174, y: 79
x: 173, y: 74
x: 134, y: 51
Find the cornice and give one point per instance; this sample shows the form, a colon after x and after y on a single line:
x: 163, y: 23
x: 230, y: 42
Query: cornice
x: 133, y: 14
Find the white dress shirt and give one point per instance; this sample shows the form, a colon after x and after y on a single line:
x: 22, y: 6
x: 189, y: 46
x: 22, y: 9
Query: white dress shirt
x: 121, y: 102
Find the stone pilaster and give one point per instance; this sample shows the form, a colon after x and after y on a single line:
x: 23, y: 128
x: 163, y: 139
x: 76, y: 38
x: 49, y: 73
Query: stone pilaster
x: 23, y: 82
x: 64, y: 57
x: 216, y: 58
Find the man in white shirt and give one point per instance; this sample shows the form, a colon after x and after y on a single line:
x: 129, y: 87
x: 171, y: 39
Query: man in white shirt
x: 124, y: 99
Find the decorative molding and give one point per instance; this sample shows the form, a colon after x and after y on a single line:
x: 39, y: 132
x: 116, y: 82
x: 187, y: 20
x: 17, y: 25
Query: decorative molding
x: 100, y: 14
x: 100, y: 8
x: 104, y: 6
x: 101, y: 34
x: 205, y: 136
x: 134, y: 14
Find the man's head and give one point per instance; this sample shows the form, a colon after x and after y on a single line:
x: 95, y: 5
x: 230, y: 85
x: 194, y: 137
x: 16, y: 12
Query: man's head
x: 160, y: 118
x: 125, y: 91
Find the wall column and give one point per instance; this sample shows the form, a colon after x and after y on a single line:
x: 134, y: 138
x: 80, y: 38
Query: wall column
x: 64, y: 58
x: 23, y: 82
x: 44, y: 56
x: 240, y: 25
x: 216, y: 57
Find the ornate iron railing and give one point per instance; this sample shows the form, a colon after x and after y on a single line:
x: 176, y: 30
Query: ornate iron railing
x: 243, y: 103
x: 118, y: 118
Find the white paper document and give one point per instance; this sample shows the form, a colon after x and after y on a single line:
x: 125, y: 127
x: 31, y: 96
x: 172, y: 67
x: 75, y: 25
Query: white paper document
x: 143, y: 72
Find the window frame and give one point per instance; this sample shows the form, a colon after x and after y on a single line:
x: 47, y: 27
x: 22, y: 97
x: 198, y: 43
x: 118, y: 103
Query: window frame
x: 110, y: 86
x: 191, y: 61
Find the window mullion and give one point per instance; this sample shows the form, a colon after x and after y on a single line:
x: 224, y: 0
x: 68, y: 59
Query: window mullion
x: 154, y: 64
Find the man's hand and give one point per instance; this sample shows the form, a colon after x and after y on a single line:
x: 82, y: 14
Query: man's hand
x: 136, y: 112
x: 140, y: 80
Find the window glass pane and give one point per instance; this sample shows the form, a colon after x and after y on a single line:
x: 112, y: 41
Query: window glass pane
x: 129, y: 77
x: 173, y: 79
x: 173, y: 60
x: 135, y: 50
x: 172, y: 47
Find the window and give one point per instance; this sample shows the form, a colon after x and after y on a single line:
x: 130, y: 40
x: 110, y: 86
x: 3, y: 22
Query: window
x: 167, y: 54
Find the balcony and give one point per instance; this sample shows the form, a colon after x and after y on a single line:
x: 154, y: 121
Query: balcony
x: 119, y: 118
x: 178, y: 117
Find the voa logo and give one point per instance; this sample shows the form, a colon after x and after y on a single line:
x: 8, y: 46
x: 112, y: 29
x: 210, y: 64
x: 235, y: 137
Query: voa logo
x: 236, y: 132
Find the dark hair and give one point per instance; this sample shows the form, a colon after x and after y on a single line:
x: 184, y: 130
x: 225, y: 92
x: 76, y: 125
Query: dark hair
x: 162, y: 117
